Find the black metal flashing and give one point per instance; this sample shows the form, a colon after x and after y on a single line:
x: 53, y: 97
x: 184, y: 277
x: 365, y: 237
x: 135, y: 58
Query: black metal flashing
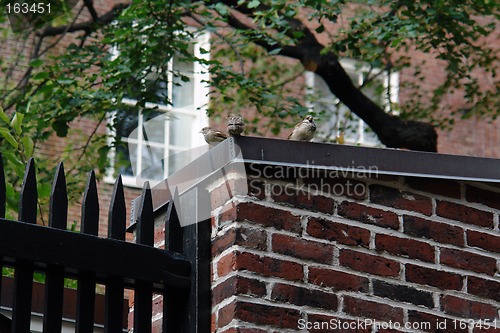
x: 383, y: 161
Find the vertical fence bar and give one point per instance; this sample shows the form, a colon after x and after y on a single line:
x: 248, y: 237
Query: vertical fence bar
x: 3, y: 199
x: 143, y: 295
x: 87, y: 280
x: 174, y: 299
x: 3, y: 191
x: 113, y: 321
x: 23, y: 275
x: 54, y: 281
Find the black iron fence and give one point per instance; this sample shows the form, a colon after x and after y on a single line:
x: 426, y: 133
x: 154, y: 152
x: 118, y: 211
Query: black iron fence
x: 118, y: 265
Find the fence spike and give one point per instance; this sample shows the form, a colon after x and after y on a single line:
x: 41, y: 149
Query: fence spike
x: 145, y: 219
x: 174, y: 299
x: 23, y: 273
x: 3, y: 190
x: 86, y: 280
x: 58, y: 209
x: 29, y: 196
x: 174, y: 234
x: 144, y: 235
x: 54, y: 280
x: 114, y: 285
x: 90, y: 207
x: 117, y: 218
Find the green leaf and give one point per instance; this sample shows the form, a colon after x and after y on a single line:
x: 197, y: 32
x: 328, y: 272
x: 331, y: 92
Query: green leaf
x: 41, y: 76
x: 28, y: 145
x: 16, y: 122
x: 61, y: 128
x: 36, y: 63
x: 253, y: 4
x: 15, y: 163
x: 4, y: 116
x: 7, y: 136
x: 43, y: 190
x: 221, y: 8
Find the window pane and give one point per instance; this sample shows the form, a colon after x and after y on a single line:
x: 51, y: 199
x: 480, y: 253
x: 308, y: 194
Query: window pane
x: 180, y: 130
x: 183, y: 65
x: 182, y: 92
x: 154, y: 126
x: 152, y: 162
x: 183, y: 83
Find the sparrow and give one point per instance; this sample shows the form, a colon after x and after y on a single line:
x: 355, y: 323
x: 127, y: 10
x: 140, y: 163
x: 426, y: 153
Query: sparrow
x: 303, y: 131
x: 212, y: 137
x: 235, y: 125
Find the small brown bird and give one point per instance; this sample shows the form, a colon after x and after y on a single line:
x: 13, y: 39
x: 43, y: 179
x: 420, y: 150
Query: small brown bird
x: 212, y: 137
x: 235, y: 125
x: 303, y: 131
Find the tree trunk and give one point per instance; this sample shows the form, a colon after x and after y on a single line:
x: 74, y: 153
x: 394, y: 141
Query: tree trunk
x: 392, y: 131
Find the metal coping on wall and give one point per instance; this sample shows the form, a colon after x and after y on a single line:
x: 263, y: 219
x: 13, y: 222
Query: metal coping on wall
x: 327, y: 156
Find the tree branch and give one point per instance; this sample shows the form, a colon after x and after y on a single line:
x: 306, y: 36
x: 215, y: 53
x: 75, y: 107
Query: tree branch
x: 90, y: 7
x: 87, y: 26
x: 391, y: 130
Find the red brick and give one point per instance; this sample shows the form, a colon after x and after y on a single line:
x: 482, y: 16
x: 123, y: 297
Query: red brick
x: 261, y: 265
x: 226, y: 191
x: 300, y: 198
x: 433, y: 277
x: 237, y: 285
x: 434, y: 323
x: 443, y: 187
x: 484, y: 241
x: 261, y: 314
x: 226, y: 314
x: 464, y: 214
x: 467, y: 309
x: 338, y: 232
x: 369, y: 215
x: 368, y: 309
x: 438, y: 231
x: 241, y: 236
x: 488, y: 198
x: 303, y: 296
x: 402, y: 293
x: 303, y: 249
x: 267, y: 216
x: 484, y: 288
x: 338, y: 280
x: 256, y: 188
x: 468, y: 261
x: 392, y: 197
x: 368, y: 263
x: 405, y: 247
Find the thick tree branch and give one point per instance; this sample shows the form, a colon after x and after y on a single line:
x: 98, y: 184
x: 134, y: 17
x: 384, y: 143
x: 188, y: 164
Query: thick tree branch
x: 391, y: 130
x: 90, y: 7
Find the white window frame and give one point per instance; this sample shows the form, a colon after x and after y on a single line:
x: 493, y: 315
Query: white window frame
x: 198, y: 111
x: 353, y: 67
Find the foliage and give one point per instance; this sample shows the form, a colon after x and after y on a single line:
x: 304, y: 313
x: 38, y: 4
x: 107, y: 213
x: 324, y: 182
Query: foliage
x: 47, y: 85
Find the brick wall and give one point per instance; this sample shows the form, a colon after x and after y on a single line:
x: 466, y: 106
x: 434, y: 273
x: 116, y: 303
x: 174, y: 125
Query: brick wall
x: 326, y: 253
